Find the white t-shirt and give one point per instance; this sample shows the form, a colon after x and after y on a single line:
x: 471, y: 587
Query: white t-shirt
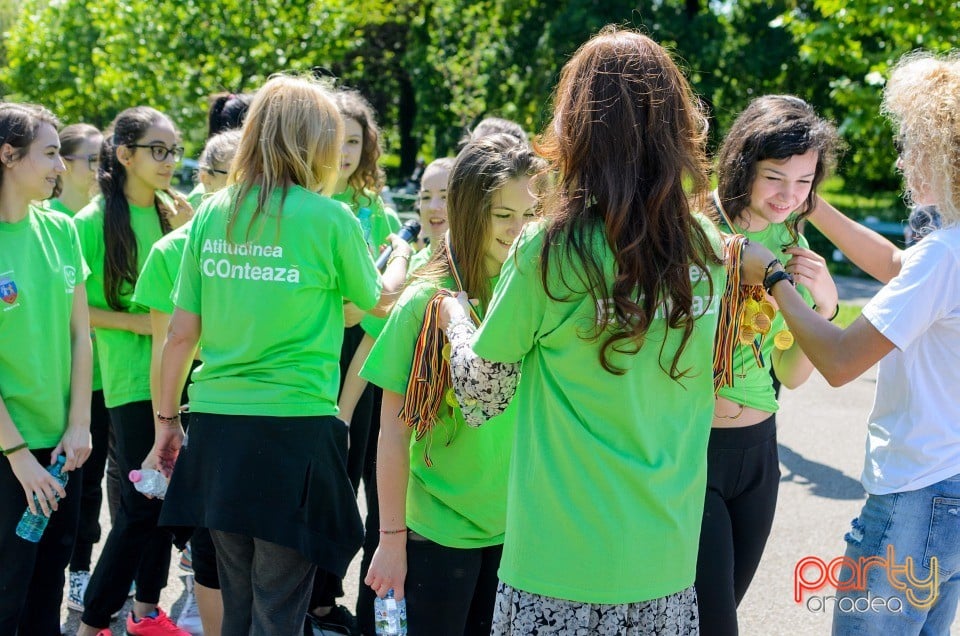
x: 913, y: 439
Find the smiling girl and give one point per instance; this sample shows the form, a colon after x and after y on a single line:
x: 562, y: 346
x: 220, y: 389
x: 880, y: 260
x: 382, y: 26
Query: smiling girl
x: 117, y: 231
x: 44, y: 371
x: 776, y: 154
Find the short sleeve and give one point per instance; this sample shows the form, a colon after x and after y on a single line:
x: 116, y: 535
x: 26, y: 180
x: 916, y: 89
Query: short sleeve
x: 506, y: 333
x: 388, y: 365
x: 76, y: 254
x: 359, y: 280
x: 155, y: 283
x: 188, y: 285
x: 926, y: 290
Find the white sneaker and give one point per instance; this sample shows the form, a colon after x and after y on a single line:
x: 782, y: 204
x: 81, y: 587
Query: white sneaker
x: 189, y: 619
x: 78, y: 585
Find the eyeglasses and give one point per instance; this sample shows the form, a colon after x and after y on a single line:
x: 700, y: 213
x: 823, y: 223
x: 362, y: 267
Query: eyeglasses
x: 160, y: 152
x: 92, y: 160
x: 212, y: 170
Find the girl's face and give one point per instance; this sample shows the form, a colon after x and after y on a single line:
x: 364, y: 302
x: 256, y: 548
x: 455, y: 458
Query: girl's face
x: 352, y: 147
x: 81, y: 174
x: 160, y: 140
x: 432, y: 202
x: 514, y: 205
x: 34, y: 175
x: 779, y: 189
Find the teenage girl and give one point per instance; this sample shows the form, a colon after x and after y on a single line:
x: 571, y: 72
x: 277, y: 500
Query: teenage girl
x: 154, y: 289
x: 117, y: 231
x: 432, y: 207
x: 776, y: 154
x: 45, y: 371
x: 619, y: 289
x: 443, y: 495
x: 80, y: 150
x: 265, y: 466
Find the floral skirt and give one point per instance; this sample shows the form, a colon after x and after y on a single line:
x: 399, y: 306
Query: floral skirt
x: 519, y: 613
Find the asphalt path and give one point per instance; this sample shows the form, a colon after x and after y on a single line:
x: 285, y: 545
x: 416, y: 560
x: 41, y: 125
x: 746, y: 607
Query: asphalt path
x: 821, y: 438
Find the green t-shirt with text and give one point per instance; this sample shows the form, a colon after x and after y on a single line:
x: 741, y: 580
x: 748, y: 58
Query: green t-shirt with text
x: 608, y: 468
x: 159, y: 275
x: 271, y: 301
x: 124, y: 355
x: 752, y: 384
x: 40, y: 264
x: 459, y: 501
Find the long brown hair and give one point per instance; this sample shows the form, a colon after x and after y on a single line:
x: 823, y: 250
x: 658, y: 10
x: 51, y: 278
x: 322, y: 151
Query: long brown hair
x: 368, y: 175
x: 626, y: 134
x: 481, y: 169
x: 773, y: 127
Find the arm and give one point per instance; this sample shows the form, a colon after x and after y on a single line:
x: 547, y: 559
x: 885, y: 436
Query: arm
x: 75, y: 443
x: 483, y: 388
x: 353, y: 384
x: 183, y: 336
x: 868, y: 250
x: 121, y: 320
x: 159, y: 322
x: 388, y: 569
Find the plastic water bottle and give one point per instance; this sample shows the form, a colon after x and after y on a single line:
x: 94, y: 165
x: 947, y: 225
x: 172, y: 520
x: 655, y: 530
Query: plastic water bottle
x: 149, y: 482
x: 390, y: 616
x: 32, y: 525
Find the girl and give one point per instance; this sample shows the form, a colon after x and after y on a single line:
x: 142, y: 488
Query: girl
x: 116, y: 231
x: 776, y: 154
x: 214, y: 165
x: 80, y: 149
x: 447, y: 561
x: 265, y: 468
x: 44, y: 372
x: 620, y: 288
x: 154, y: 289
x: 912, y: 328
x: 432, y: 207
x: 227, y: 112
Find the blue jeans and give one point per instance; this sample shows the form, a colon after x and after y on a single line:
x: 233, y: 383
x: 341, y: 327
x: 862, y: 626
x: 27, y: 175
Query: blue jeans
x: 914, y: 539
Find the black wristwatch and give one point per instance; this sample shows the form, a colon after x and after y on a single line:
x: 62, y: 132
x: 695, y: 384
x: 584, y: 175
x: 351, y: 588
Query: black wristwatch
x: 775, y: 277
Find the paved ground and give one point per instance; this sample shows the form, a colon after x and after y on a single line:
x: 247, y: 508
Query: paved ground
x: 821, y: 432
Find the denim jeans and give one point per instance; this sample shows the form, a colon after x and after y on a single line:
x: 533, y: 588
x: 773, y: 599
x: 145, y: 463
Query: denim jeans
x: 914, y: 538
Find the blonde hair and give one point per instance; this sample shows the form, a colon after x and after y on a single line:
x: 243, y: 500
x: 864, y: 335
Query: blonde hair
x: 292, y: 136
x: 922, y: 99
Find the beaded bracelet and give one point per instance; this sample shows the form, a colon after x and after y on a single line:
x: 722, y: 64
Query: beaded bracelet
x: 168, y: 420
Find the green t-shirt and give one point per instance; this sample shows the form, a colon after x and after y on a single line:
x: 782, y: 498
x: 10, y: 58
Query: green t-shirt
x: 124, y: 355
x: 271, y: 303
x: 752, y: 384
x: 377, y: 222
x: 609, y: 468
x: 40, y: 263
x: 420, y: 259
x: 57, y: 206
x: 460, y: 501
x: 195, y: 196
x: 159, y: 274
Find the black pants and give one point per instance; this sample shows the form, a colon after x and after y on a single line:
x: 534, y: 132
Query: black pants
x: 31, y: 574
x: 135, y: 548
x: 103, y: 455
x: 371, y: 537
x: 450, y: 591
x: 743, y: 477
x: 328, y: 587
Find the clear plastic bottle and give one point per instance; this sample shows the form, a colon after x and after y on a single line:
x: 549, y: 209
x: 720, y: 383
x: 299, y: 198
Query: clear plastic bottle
x: 390, y: 616
x: 32, y: 525
x: 149, y: 482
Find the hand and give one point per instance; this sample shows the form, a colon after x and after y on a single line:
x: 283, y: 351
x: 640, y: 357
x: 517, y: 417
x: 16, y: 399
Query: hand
x: 352, y: 315
x: 182, y: 211
x: 166, y: 448
x: 810, y: 270
x: 388, y: 569
x: 35, y: 480
x: 455, y: 308
x: 753, y: 263
x: 400, y: 247
x: 75, y: 444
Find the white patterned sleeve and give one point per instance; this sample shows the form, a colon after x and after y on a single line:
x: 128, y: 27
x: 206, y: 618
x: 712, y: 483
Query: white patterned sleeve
x: 483, y: 388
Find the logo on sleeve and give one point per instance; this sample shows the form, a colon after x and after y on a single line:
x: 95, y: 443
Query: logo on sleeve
x: 70, y: 277
x: 8, y: 288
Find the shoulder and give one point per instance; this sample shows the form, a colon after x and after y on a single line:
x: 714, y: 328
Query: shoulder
x: 91, y: 214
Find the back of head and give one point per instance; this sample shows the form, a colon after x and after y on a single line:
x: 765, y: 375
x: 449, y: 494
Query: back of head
x: 19, y: 124
x: 219, y: 150
x: 292, y: 136
x: 227, y: 112
x: 626, y: 134
x: 772, y: 127
x: 353, y: 105
x: 923, y: 100
x: 493, y: 126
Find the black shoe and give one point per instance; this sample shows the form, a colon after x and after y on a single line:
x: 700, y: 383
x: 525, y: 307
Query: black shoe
x: 339, y: 622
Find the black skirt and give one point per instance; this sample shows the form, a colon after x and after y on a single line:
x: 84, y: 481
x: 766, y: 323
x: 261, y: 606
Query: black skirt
x: 280, y: 479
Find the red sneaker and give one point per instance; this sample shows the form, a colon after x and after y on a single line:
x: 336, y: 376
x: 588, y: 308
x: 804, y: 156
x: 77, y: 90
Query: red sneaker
x: 159, y: 625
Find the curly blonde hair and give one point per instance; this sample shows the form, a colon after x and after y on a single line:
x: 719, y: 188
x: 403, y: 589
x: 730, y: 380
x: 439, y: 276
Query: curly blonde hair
x: 922, y: 99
